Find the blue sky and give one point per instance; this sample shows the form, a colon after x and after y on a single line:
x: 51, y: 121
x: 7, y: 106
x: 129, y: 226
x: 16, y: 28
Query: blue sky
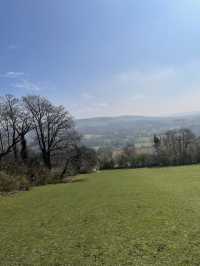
x: 103, y: 57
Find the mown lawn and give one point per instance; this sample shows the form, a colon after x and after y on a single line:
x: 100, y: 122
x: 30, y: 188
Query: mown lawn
x: 125, y: 217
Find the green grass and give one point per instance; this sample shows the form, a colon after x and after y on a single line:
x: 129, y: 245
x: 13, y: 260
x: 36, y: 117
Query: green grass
x: 125, y: 217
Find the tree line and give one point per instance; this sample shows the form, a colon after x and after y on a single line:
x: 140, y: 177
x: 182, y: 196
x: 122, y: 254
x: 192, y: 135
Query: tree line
x: 174, y: 147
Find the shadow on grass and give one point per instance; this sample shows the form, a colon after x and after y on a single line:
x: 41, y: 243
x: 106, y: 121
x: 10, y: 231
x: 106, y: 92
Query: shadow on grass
x: 74, y: 180
x: 79, y: 180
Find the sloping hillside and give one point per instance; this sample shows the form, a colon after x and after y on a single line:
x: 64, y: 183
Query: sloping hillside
x: 122, y: 217
x: 117, y: 131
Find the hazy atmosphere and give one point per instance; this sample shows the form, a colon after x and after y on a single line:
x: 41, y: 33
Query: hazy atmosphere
x: 100, y: 132
x: 103, y: 57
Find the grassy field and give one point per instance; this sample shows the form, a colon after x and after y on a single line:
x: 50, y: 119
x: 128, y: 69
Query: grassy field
x: 125, y: 217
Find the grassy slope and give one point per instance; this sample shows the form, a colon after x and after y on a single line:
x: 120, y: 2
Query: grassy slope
x: 141, y: 217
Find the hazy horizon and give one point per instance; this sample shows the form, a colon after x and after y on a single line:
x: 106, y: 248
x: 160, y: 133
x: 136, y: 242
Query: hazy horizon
x: 170, y: 115
x: 103, y: 57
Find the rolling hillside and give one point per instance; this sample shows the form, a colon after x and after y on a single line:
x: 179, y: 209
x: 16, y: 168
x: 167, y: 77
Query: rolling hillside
x: 117, y: 131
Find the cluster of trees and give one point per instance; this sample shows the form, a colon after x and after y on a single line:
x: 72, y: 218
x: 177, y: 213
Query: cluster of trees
x: 175, y: 147
x: 128, y: 157
x: 35, y: 134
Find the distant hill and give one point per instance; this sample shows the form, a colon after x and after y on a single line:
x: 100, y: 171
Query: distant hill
x: 117, y: 131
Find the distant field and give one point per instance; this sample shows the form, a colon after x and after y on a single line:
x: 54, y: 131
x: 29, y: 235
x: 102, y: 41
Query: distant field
x: 120, y: 130
x: 125, y: 217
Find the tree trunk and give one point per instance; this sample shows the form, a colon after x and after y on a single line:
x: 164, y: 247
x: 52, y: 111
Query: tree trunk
x: 65, y: 168
x: 15, y: 151
x: 47, y: 159
x: 24, y: 152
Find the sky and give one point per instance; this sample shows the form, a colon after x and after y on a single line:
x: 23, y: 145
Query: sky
x: 103, y: 57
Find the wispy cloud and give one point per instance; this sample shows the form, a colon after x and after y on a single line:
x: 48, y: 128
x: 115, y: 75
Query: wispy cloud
x: 89, y: 104
x: 101, y: 105
x: 138, y: 81
x: 154, y: 75
x: 138, y: 97
x: 12, y: 75
x: 27, y: 85
x: 19, y: 81
x: 93, y: 109
x: 87, y: 96
x: 12, y: 47
x: 154, y: 91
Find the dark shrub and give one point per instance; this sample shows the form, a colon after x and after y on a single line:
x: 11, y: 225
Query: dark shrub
x: 54, y: 176
x: 23, y: 183
x: 10, y: 183
x: 7, y: 183
x: 37, y: 176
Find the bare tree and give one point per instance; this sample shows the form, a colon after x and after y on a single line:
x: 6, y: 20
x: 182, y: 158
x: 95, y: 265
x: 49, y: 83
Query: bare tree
x: 51, y: 124
x: 14, y: 125
x: 174, y: 147
x: 68, y: 157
